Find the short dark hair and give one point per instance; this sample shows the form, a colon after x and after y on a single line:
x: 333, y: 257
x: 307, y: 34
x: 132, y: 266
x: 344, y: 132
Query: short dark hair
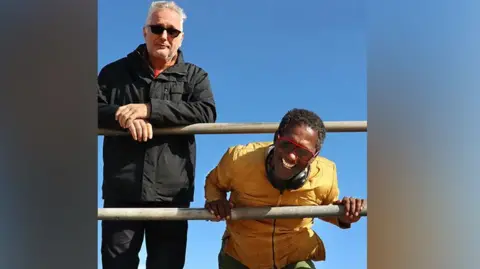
x: 298, y: 116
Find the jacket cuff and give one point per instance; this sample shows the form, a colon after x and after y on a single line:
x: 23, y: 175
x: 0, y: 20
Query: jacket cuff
x: 216, y: 197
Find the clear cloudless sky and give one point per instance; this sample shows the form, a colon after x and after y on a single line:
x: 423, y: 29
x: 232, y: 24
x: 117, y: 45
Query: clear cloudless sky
x: 264, y: 58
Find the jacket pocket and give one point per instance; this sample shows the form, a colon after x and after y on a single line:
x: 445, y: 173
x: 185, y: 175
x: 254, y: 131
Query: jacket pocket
x: 177, y: 93
x: 170, y: 91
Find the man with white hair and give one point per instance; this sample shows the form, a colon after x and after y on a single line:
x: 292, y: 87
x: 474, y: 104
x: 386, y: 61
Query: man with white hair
x: 151, y: 87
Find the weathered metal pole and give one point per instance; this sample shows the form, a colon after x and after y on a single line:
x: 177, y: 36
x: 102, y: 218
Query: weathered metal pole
x: 287, y: 212
x: 241, y: 128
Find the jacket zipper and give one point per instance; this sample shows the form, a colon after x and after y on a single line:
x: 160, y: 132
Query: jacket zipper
x: 273, y: 232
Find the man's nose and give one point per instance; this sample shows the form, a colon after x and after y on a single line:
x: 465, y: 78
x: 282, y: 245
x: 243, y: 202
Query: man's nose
x: 164, y: 34
x: 292, y: 156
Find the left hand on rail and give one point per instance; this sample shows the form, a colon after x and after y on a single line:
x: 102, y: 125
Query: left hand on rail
x: 140, y: 130
x: 127, y: 113
x: 353, y: 207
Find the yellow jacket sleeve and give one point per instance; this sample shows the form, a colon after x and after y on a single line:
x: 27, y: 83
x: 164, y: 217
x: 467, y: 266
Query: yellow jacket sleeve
x: 331, y: 197
x: 218, y: 181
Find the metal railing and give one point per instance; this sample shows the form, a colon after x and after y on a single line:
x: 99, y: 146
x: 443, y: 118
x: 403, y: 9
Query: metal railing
x: 242, y: 128
x: 237, y: 213
x: 284, y: 212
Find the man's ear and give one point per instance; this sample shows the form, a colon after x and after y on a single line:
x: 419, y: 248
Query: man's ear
x: 275, y: 136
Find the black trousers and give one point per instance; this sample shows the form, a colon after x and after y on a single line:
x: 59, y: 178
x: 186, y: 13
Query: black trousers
x: 166, y: 241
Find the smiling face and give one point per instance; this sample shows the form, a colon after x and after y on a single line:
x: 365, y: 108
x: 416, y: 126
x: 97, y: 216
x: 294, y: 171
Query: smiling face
x: 163, y: 34
x: 294, y: 150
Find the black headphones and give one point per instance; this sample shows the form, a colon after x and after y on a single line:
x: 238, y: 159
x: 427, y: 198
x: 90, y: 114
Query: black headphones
x: 293, y: 183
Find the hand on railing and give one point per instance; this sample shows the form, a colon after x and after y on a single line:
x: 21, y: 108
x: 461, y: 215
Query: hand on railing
x: 127, y: 113
x: 353, y: 208
x: 140, y: 130
x: 221, y: 209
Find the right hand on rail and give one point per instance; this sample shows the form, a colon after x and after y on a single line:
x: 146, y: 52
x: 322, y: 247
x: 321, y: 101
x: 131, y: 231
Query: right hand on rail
x: 128, y: 113
x: 221, y: 209
x: 140, y: 130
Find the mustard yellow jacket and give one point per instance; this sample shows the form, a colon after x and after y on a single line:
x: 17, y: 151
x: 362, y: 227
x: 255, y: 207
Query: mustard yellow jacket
x: 261, y: 243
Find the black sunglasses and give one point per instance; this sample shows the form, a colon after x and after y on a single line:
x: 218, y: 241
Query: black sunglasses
x: 288, y: 146
x: 158, y: 30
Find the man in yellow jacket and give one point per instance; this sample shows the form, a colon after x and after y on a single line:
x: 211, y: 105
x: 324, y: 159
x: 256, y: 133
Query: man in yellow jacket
x: 287, y: 172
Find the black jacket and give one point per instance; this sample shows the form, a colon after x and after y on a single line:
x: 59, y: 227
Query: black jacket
x: 163, y: 168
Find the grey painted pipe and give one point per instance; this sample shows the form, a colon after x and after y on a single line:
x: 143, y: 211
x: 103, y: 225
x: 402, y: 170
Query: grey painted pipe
x: 237, y: 213
x: 241, y: 128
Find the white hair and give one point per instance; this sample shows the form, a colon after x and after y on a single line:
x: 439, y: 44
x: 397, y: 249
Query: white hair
x: 157, y: 5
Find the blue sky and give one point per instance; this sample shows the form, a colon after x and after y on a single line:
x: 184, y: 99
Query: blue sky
x: 265, y: 58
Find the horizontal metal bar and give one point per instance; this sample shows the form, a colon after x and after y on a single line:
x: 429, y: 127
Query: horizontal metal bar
x: 286, y: 212
x: 241, y: 128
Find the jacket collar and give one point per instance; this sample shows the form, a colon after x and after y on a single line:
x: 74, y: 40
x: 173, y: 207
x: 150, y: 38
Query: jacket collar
x: 140, y: 58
